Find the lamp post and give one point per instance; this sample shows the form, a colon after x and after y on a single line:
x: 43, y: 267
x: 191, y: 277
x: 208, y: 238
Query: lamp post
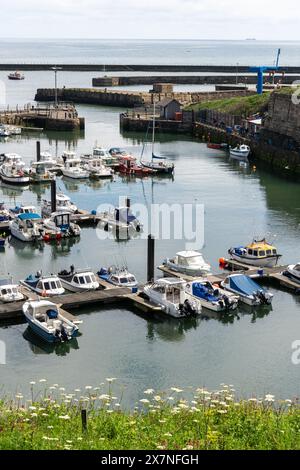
x: 56, y: 69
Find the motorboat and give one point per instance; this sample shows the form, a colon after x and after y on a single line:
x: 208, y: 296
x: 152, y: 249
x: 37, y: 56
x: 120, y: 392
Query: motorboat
x: 170, y: 295
x: 66, y: 156
x: 27, y: 227
x: 9, y: 291
x: 4, y: 132
x: 188, y: 262
x: 259, y: 253
x: 49, y: 162
x: 63, y: 204
x: 120, y: 218
x: 12, y: 170
x: 212, y: 297
x: 5, y: 218
x: 13, y: 130
x: 45, y: 286
x: 39, y: 173
x: 109, y: 160
x: 293, y: 272
x: 247, y: 289
x: 73, y: 169
x: 60, y: 223
x: 22, y: 209
x: 118, y: 152
x: 128, y: 166
x: 240, y: 152
x: 97, y: 169
x: 16, y: 76
x: 47, y: 320
x: 78, y: 280
x: 118, y: 277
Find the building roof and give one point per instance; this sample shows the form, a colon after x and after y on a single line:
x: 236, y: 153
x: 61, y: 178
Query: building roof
x: 166, y: 102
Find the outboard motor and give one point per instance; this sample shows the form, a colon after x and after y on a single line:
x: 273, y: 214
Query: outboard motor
x: 227, y: 302
x: 187, y: 308
x: 262, y: 297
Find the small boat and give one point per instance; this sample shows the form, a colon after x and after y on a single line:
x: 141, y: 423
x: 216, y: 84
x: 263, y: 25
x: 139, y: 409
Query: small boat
x: 170, y: 295
x: 118, y: 152
x: 118, y: 277
x: 258, y: 253
x: 128, y: 166
x: 49, y: 162
x: 248, y: 291
x: 46, y: 320
x: 9, y: 291
x: 4, y: 132
x: 108, y: 160
x: 120, y: 218
x: 63, y: 204
x: 97, y: 169
x: 78, y: 280
x: 188, y: 262
x: 60, y: 223
x: 12, y: 171
x: 212, y: 297
x: 22, y: 210
x: 210, y: 145
x: 14, y: 130
x: 66, y: 156
x: 27, y: 227
x: 72, y: 169
x: 5, y: 218
x: 39, y: 173
x: 16, y: 76
x: 46, y: 286
x: 240, y: 152
x: 293, y: 272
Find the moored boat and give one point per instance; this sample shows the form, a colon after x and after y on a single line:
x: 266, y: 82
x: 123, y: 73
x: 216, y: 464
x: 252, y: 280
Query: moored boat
x: 9, y: 291
x: 128, y: 166
x: 212, y: 297
x: 259, y: 253
x: 27, y: 227
x: 46, y: 286
x: 78, y: 280
x: 120, y: 218
x: 247, y: 289
x: 240, y: 152
x: 188, y: 262
x: 12, y: 170
x: 118, y: 277
x: 293, y: 272
x: 39, y: 173
x: 16, y: 76
x: 63, y: 204
x: 72, y: 169
x: 97, y: 169
x: 60, y: 223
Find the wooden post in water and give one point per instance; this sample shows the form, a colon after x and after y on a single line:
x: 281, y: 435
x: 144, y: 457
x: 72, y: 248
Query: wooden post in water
x: 38, y: 151
x: 151, y: 258
x: 84, y: 420
x: 53, y: 195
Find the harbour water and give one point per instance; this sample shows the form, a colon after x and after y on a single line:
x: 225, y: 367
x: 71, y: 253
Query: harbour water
x: 252, y: 351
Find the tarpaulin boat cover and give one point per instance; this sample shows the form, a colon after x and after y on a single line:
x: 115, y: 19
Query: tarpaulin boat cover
x: 244, y: 284
x: 201, y: 291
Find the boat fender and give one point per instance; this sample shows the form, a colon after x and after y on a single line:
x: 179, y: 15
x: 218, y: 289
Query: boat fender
x: 44, y: 293
x: 138, y: 228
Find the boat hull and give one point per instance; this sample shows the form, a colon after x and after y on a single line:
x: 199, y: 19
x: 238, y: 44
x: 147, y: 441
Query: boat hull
x: 158, y: 169
x: 72, y: 288
x: 267, y: 262
x: 15, y: 180
x: 75, y: 176
x: 188, y: 271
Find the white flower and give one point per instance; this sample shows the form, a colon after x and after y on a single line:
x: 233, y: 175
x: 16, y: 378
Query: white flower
x: 149, y: 391
x: 111, y: 379
x: 34, y: 415
x: 162, y: 421
x: 50, y: 427
x: 104, y: 397
x: 32, y: 383
x: 288, y: 401
x: 176, y: 390
x: 157, y: 398
x: 144, y: 400
x: 222, y: 412
x: 109, y: 411
x: 88, y: 387
x: 160, y: 447
x: 269, y: 398
x: 65, y: 417
x: 42, y: 381
x: 168, y: 434
x: 33, y: 408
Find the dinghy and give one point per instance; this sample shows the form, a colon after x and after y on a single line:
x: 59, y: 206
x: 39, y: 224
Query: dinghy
x: 46, y: 320
x: 78, y: 280
x: 248, y: 291
x: 170, y: 295
x: 293, y: 272
x: 9, y: 291
x: 46, y: 286
x: 241, y: 152
x: 259, y: 253
x: 188, y: 262
x: 118, y: 277
x: 212, y: 297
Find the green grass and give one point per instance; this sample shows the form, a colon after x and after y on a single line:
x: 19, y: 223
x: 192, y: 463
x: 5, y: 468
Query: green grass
x: 208, y: 420
x: 238, y: 106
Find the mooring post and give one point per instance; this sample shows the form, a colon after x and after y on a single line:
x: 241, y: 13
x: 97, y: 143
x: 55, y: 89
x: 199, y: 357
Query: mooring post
x: 53, y: 195
x: 151, y: 258
x: 84, y: 420
x: 38, y: 151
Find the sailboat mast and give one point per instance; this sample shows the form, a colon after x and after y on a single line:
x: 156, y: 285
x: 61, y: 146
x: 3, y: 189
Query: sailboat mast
x: 153, y: 125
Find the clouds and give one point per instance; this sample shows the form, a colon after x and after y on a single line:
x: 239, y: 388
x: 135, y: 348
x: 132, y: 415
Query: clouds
x: 189, y: 19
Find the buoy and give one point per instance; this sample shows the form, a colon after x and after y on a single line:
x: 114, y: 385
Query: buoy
x: 46, y: 238
x: 222, y: 262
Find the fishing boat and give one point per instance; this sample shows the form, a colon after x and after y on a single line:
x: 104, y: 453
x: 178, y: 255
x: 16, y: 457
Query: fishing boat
x: 188, y: 262
x: 9, y: 291
x: 97, y: 169
x: 16, y: 76
x: 128, y: 166
x: 108, y: 160
x: 240, y: 152
x: 46, y: 286
x: 293, y: 272
x: 212, y: 297
x: 39, y: 173
x: 170, y: 295
x: 118, y: 277
x: 120, y: 218
x: 157, y: 163
x: 73, y: 169
x: 47, y: 320
x: 27, y: 227
x: 63, y: 204
x: 60, y: 223
x: 118, y: 152
x: 13, y: 130
x: 259, y: 253
x: 12, y: 171
x: 248, y: 290
x: 78, y: 280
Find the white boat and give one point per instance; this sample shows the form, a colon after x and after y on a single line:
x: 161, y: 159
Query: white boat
x: 47, y: 320
x: 120, y: 218
x: 73, y: 169
x: 247, y: 289
x: 212, y: 297
x: 170, y: 295
x: 60, y: 223
x: 14, y: 130
x: 46, y: 286
x: 97, y: 169
x: 67, y: 155
x: 49, y: 161
x: 27, y: 227
x: 39, y: 172
x: 120, y: 277
x: 5, y: 218
x: 16, y: 76
x: 241, y: 152
x: 12, y: 170
x: 259, y: 253
x: 293, y: 272
x: 9, y: 291
x: 4, y: 132
x: 188, y: 262
x: 63, y: 204
x: 78, y: 280
x: 22, y: 209
x: 107, y: 159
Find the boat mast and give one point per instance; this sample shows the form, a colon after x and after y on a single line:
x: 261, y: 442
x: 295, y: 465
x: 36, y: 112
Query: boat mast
x: 153, y: 130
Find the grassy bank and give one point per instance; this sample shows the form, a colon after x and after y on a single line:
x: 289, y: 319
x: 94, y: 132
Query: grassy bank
x: 238, y: 106
x: 51, y: 419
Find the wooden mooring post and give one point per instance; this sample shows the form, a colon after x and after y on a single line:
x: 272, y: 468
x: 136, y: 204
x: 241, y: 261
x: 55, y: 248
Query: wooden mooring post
x: 53, y: 195
x: 38, y: 151
x: 151, y: 258
x: 84, y: 420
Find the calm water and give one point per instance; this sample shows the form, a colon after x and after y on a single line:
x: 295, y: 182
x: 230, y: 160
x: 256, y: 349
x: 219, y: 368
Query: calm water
x: 253, y: 351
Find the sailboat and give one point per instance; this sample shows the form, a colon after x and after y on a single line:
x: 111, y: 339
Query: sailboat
x: 159, y: 164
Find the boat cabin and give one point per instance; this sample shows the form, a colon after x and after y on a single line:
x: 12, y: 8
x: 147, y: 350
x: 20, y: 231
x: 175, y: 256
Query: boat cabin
x: 61, y: 220
x: 170, y: 289
x: 260, y: 249
x: 189, y: 259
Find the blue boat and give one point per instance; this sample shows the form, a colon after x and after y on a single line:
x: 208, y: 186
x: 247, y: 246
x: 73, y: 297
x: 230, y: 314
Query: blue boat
x: 118, y: 277
x: 247, y: 289
x: 211, y: 297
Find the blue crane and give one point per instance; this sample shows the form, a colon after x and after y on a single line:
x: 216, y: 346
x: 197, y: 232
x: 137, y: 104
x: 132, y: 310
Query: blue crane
x: 260, y: 70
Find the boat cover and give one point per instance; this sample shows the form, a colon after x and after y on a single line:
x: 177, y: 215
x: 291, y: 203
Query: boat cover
x: 29, y: 216
x: 201, y: 291
x: 244, y: 284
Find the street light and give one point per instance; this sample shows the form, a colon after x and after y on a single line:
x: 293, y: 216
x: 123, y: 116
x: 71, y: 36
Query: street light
x: 56, y: 69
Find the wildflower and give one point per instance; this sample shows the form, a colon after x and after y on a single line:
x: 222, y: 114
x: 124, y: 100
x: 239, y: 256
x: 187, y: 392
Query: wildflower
x: 77, y: 390
x: 62, y: 389
x: 42, y: 381
x: 45, y: 438
x: 144, y: 400
x: 157, y: 398
x: 19, y: 396
x: 32, y: 383
x: 188, y: 448
x: 222, y: 412
x: 183, y: 406
x: 162, y: 421
x: 45, y: 415
x: 104, y: 397
x: 88, y: 387
x: 288, y: 401
x: 168, y: 434
x: 50, y: 427
x: 149, y: 391
x: 170, y: 398
x: 33, y: 415
x: 269, y: 398
x: 109, y: 411
x: 111, y: 379
x: 252, y: 400
x: 65, y: 417
x: 69, y: 442
x: 176, y: 390
x: 79, y: 438
x: 117, y: 405
x: 159, y: 447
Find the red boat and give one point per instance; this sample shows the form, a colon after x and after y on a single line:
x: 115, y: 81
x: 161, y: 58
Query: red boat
x: 128, y: 166
x: 214, y: 146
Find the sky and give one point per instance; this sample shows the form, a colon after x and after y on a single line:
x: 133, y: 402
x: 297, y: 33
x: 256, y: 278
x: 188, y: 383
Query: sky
x: 150, y: 19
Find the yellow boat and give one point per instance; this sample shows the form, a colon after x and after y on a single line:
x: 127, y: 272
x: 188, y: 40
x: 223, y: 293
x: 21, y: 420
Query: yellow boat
x: 259, y: 253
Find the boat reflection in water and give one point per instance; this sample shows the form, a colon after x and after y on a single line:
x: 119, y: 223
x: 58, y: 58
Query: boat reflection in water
x: 38, y: 346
